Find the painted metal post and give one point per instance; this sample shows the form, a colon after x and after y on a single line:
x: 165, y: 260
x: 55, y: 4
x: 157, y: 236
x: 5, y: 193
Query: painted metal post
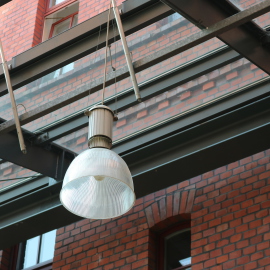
x: 13, y: 102
x: 126, y: 51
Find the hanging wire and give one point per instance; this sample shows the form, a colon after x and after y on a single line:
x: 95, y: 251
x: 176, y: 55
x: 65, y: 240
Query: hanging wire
x: 113, y: 69
x: 106, y: 49
x: 95, y: 57
x: 20, y: 104
x: 114, y: 41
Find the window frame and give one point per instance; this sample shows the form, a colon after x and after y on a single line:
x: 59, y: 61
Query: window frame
x: 72, y: 16
x: 55, y: 8
x: 47, y: 265
x: 161, y: 243
x: 19, y: 253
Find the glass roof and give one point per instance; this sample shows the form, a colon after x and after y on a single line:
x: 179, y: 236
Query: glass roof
x: 243, y: 4
x: 182, y: 98
x: 176, y: 102
x: 90, y: 68
x: 263, y: 21
x: 143, y: 77
x: 12, y: 174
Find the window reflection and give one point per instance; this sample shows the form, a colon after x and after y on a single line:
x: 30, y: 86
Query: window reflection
x: 47, y: 246
x: 31, y: 252
x: 55, y: 2
x: 177, y: 250
x: 39, y: 249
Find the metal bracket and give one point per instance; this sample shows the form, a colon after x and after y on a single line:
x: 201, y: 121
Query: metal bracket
x: 41, y: 138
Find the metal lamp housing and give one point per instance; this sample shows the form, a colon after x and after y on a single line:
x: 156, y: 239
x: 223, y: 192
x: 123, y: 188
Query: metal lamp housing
x: 98, y: 183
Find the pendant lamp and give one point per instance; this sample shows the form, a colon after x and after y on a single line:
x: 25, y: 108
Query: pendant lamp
x: 98, y: 183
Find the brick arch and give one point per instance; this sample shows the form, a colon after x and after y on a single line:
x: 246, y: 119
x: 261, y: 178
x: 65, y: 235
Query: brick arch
x: 169, y: 210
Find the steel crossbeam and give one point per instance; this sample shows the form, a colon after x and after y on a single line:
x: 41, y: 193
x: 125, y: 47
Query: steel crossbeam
x: 145, y: 62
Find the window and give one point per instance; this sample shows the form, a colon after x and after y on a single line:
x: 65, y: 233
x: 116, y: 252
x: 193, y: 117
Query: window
x: 64, y: 24
x: 55, y: 2
x: 175, y: 246
x: 60, y: 20
x: 37, y: 252
x: 56, y: 22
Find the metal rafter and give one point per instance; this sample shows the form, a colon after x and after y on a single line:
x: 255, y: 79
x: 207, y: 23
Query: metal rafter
x: 145, y: 62
x: 226, y: 126
x: 9, y: 149
x: 153, y: 87
x: 52, y: 160
x: 79, y: 41
x: 246, y: 39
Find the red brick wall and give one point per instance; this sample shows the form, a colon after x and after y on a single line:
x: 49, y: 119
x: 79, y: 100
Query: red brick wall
x: 230, y: 223
x: 231, y: 228
x: 228, y: 207
x: 21, y: 24
x: 91, y: 8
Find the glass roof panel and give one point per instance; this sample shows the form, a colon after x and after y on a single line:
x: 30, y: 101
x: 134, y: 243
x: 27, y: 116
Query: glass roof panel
x: 177, y: 102
x: 263, y: 21
x: 173, y: 103
x: 66, y: 79
x: 243, y: 4
x: 12, y: 174
x: 211, y: 47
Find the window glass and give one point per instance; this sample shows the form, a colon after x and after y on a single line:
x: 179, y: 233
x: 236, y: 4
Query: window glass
x: 38, y: 249
x: 75, y: 20
x: 55, y: 2
x: 177, y: 250
x: 61, y: 27
x: 58, y: 19
x: 31, y: 252
x: 174, y: 17
x: 67, y: 68
x: 47, y: 246
x: 57, y: 28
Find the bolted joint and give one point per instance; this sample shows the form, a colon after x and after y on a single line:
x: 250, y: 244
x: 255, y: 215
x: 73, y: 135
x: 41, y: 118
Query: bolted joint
x: 41, y: 138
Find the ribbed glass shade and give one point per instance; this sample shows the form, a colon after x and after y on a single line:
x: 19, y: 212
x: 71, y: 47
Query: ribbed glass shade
x: 98, y: 185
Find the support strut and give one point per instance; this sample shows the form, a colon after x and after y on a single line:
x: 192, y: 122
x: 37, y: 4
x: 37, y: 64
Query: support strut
x: 126, y: 51
x: 13, y: 102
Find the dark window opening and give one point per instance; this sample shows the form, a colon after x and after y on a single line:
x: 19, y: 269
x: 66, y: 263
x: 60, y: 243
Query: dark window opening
x: 175, y: 248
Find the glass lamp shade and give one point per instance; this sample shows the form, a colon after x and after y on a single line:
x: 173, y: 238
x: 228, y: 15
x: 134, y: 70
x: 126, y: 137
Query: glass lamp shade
x: 98, y: 185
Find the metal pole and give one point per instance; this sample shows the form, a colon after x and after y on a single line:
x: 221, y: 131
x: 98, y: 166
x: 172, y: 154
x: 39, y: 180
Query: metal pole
x: 106, y: 49
x: 126, y: 51
x: 13, y: 102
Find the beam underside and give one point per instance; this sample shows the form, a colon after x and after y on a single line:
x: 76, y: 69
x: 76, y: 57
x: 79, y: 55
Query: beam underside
x: 148, y: 90
x: 239, y: 38
x: 9, y: 149
x: 228, y: 133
